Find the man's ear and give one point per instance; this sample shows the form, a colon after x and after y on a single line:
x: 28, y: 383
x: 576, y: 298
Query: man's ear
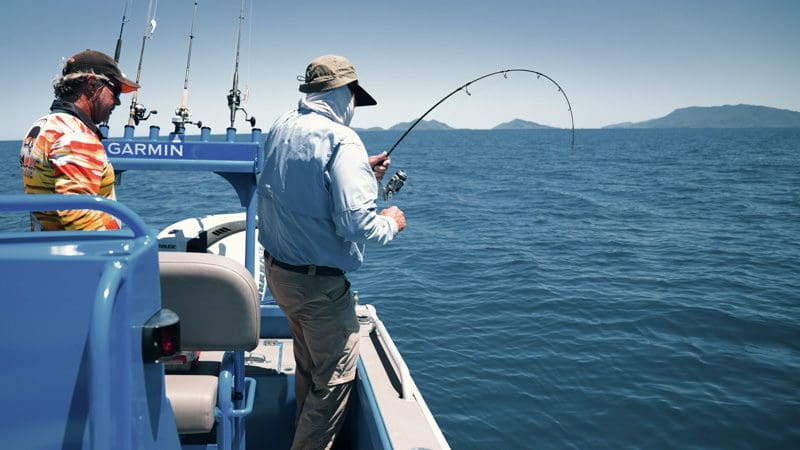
x: 93, y: 85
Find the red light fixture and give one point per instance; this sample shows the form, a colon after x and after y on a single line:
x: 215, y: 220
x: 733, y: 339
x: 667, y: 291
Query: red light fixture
x: 161, y: 336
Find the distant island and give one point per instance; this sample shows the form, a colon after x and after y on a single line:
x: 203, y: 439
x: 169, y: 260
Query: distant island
x: 519, y: 124
x: 726, y: 116
x: 516, y: 124
x: 423, y: 125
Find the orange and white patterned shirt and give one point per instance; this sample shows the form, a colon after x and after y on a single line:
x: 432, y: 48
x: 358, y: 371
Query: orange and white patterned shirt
x: 61, y: 154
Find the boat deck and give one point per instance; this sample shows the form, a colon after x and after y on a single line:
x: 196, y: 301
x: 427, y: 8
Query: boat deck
x: 407, y: 422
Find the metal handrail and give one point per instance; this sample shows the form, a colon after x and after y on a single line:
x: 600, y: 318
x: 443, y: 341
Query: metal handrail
x: 100, y: 355
x: 403, y: 373
x: 236, y: 162
x: 51, y: 202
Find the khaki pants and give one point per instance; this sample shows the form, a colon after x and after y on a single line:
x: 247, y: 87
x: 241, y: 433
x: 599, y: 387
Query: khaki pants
x: 325, y: 330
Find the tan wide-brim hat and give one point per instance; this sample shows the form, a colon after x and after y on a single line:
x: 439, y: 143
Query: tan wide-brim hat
x: 333, y: 71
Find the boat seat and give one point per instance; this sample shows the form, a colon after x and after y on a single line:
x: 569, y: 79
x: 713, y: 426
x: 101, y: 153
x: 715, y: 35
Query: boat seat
x: 217, y: 301
x: 193, y: 398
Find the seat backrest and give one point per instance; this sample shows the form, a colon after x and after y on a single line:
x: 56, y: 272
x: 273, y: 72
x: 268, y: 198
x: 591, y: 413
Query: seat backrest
x: 215, y: 297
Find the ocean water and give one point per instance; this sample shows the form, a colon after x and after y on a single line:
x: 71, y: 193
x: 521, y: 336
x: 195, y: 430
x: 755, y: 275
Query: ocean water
x: 640, y: 290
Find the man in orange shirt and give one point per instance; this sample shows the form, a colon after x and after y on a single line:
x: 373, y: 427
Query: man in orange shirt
x: 62, y: 152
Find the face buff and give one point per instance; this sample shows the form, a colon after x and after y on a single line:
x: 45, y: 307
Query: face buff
x: 337, y: 104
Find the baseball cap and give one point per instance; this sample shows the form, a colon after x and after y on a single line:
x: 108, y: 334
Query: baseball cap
x: 333, y: 71
x: 92, y: 61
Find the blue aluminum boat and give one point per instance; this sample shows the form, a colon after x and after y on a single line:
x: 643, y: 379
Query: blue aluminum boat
x: 164, y: 340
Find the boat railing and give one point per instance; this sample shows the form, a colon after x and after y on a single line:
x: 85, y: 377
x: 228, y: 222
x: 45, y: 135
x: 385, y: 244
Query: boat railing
x: 235, y: 161
x: 50, y: 202
x: 408, y: 388
x: 106, y: 429
x: 402, y: 369
x: 398, y: 363
x: 100, y: 354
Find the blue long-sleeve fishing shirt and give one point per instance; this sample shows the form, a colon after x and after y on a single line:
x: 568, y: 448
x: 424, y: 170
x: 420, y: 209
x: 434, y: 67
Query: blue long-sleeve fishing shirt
x: 317, y: 192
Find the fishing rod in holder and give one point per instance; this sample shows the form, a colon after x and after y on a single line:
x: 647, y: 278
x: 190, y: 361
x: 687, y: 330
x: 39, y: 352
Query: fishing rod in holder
x: 182, y: 114
x: 118, y: 48
x: 138, y: 111
x: 235, y: 95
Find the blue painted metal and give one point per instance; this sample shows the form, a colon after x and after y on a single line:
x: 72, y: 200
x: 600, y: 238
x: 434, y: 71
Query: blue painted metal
x: 237, y: 162
x: 239, y: 402
x: 123, y: 289
x: 100, y: 354
x: 372, y: 431
x: 222, y: 412
x: 51, y: 202
x: 230, y: 417
x: 273, y: 322
x: 236, y: 396
x: 75, y: 305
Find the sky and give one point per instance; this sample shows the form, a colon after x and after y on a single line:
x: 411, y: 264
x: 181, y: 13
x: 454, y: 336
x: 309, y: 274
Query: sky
x: 617, y: 60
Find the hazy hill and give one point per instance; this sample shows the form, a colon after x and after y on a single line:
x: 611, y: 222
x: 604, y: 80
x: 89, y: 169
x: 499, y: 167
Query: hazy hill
x: 726, y: 116
x: 516, y: 124
x: 519, y: 124
x: 424, y: 125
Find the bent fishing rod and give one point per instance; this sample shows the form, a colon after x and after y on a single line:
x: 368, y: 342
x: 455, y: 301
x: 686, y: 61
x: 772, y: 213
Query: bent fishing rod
x: 399, y: 178
x: 467, y: 84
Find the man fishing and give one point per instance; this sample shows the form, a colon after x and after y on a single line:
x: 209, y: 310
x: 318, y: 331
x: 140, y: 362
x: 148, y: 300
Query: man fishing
x: 62, y: 152
x: 316, y: 210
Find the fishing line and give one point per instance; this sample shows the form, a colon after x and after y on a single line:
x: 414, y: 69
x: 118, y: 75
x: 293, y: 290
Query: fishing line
x: 467, y: 84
